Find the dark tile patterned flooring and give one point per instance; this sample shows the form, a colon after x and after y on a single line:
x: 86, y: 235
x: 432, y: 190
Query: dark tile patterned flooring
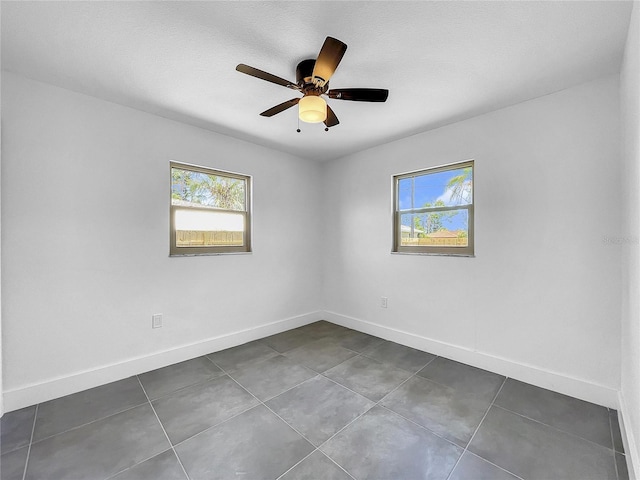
x: 318, y: 402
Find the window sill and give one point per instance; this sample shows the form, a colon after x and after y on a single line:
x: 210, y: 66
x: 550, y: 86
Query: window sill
x: 427, y: 254
x: 213, y: 254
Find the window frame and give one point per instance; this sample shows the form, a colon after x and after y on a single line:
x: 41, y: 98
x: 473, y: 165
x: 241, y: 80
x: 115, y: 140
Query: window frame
x: 174, y: 250
x: 468, y: 251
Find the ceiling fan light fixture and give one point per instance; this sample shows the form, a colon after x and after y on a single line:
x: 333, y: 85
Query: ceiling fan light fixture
x: 312, y: 109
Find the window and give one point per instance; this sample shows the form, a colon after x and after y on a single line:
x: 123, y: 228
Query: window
x: 433, y: 211
x: 210, y: 211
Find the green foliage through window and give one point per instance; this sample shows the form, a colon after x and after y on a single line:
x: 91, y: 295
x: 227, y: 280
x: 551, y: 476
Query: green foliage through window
x: 208, y: 190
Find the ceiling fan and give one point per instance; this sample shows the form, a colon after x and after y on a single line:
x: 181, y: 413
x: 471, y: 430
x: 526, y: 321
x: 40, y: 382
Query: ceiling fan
x: 312, y: 80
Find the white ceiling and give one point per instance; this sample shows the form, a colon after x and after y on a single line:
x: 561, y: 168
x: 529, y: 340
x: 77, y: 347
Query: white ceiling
x: 441, y: 61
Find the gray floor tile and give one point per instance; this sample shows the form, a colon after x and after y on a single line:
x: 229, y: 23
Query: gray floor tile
x: 368, y: 377
x: 463, y: 378
x: 99, y: 449
x: 62, y: 414
x: 615, y: 431
x: 316, y: 467
x: 174, y: 377
x: 254, y: 445
x: 454, y: 415
x: 242, y: 355
x: 12, y: 464
x: 194, y: 409
x: 222, y: 430
x: 272, y: 376
x: 161, y: 467
x: 285, y: 341
x: 320, y: 355
x: 322, y: 329
x: 16, y: 428
x: 621, y: 465
x: 319, y: 408
x: 472, y: 467
x: 403, y: 357
x: 382, y: 445
x: 354, y: 340
x: 584, y: 419
x: 532, y: 450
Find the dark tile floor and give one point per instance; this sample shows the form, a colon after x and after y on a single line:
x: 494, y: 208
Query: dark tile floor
x: 318, y: 402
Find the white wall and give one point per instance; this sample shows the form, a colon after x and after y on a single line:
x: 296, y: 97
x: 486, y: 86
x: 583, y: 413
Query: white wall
x: 85, y: 190
x: 541, y: 299
x: 630, y: 230
x: 85, y: 244
x: 1, y: 389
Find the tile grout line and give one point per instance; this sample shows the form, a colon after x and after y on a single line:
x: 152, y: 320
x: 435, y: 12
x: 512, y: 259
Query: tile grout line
x: 555, y: 428
x: 613, y: 444
x: 114, y: 475
x: 364, y: 354
x: 356, y: 354
x: 267, y: 407
x: 216, y: 425
x: 478, y: 428
x: 228, y: 374
x: 33, y: 429
x: 374, y: 405
x: 359, y: 394
x: 163, y: 430
x: 432, y: 432
x: 336, y: 463
x: 296, y: 464
x: 196, y: 384
x: 315, y: 448
x: 380, y: 361
x: 342, y: 429
x: 495, y: 465
x: 379, y: 404
x: 347, y: 388
x: 284, y: 391
x: 90, y: 422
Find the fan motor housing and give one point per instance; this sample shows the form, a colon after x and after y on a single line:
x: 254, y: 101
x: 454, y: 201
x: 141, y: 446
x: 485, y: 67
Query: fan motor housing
x: 304, y: 78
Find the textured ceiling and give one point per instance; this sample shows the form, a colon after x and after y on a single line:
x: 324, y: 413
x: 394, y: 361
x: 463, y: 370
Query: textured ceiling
x: 441, y: 61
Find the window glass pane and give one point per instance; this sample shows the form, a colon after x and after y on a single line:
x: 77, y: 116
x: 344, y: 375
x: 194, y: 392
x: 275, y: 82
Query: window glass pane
x: 208, y: 228
x: 435, y: 229
x: 191, y: 188
x: 405, y: 200
x: 443, y: 189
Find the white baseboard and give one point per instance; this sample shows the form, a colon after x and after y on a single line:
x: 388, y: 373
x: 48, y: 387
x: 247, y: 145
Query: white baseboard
x: 76, y: 382
x: 575, y: 387
x: 628, y: 440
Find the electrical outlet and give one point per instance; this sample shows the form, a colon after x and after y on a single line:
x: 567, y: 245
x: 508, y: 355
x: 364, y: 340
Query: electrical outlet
x: 156, y: 320
x: 383, y: 302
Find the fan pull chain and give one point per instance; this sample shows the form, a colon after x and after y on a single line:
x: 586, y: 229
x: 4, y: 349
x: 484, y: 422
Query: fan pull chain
x: 298, y: 130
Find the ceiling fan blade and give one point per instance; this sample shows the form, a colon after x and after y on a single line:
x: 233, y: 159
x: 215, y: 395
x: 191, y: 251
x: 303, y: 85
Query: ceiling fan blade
x: 280, y: 108
x: 359, y: 94
x: 328, y: 59
x: 254, y: 72
x: 331, y: 119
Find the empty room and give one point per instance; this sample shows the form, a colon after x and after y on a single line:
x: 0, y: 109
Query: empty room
x: 323, y: 240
